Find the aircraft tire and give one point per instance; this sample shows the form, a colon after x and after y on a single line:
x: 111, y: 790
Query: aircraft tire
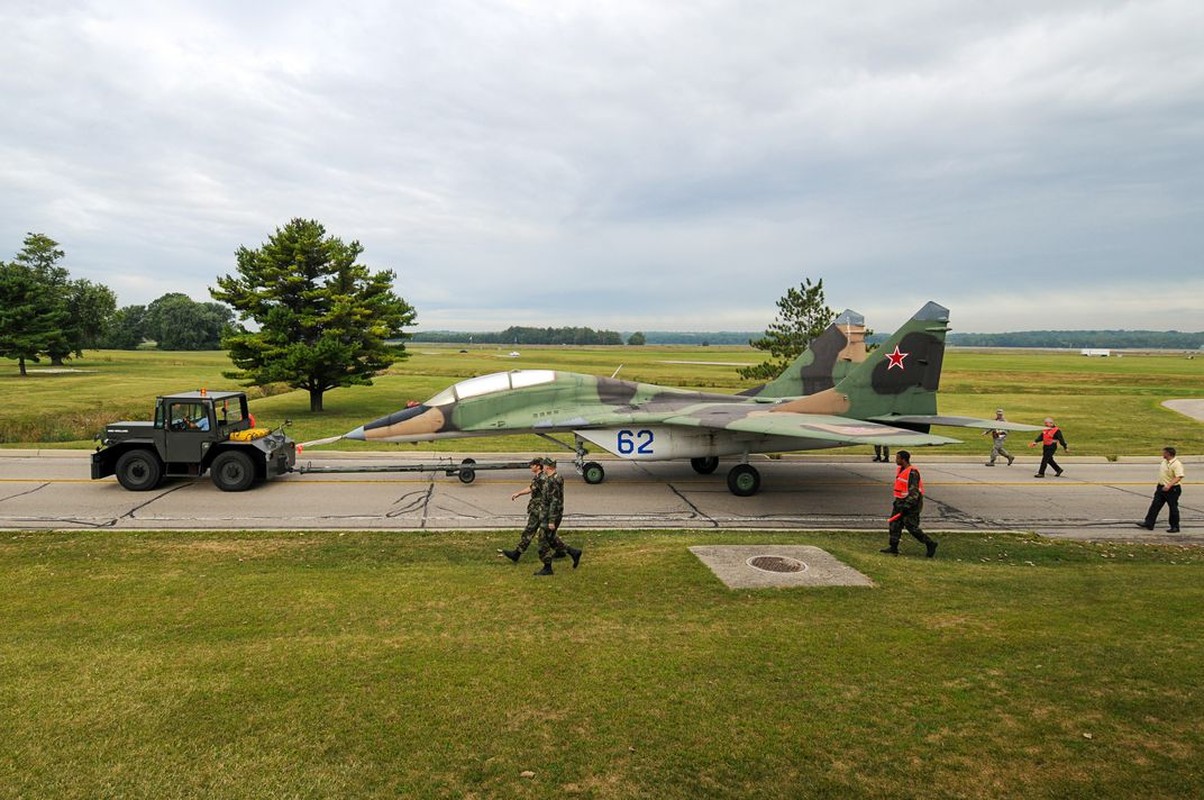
x: 467, y: 475
x: 743, y: 480
x: 593, y: 473
x: 705, y: 466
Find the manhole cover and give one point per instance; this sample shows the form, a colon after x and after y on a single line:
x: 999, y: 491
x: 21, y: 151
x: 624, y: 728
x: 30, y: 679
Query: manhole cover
x: 776, y: 564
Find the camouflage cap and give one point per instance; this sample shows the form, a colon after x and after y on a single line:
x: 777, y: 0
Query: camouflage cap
x: 536, y: 462
x: 549, y: 462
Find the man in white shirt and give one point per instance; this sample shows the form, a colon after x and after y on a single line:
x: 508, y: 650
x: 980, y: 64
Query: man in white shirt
x: 1170, y: 479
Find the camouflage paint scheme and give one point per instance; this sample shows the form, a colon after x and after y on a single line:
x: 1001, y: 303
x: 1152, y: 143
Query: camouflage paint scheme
x: 833, y: 395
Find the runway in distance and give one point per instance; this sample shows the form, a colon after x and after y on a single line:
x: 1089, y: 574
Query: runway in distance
x: 835, y: 394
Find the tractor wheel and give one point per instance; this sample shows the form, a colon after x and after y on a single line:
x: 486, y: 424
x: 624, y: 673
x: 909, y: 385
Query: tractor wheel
x: 233, y: 471
x: 139, y: 470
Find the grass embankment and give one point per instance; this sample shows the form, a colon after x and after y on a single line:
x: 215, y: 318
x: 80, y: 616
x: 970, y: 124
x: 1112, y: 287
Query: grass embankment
x: 419, y: 665
x: 1107, y: 406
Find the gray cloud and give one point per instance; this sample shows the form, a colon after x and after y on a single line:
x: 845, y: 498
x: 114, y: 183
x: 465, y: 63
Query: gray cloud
x: 628, y: 165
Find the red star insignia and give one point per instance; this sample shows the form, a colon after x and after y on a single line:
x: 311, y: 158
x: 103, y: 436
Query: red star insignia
x: 896, y: 358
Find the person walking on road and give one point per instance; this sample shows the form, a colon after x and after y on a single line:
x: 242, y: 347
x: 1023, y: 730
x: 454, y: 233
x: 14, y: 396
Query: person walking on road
x: 881, y: 453
x: 535, y: 511
x: 550, y: 542
x: 1167, y: 492
x: 1049, y: 439
x: 998, y: 438
x: 909, y: 502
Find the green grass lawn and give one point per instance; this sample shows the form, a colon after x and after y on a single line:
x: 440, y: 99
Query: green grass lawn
x: 1107, y: 406
x: 380, y: 664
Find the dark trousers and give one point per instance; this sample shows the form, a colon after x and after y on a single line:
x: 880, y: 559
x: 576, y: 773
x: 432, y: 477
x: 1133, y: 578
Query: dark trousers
x: 908, y: 518
x: 1161, y: 499
x: 1047, y: 459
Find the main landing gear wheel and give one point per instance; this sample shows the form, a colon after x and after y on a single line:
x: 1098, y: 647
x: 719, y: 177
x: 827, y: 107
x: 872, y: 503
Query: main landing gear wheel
x: 593, y: 473
x: 466, y: 473
x: 743, y: 480
x: 705, y: 466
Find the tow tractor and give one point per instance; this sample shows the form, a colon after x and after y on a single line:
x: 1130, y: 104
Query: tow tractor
x: 201, y: 431
x: 194, y: 433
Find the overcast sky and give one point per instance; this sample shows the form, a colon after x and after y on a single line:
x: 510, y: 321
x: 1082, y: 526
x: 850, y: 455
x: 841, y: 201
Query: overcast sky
x: 628, y: 165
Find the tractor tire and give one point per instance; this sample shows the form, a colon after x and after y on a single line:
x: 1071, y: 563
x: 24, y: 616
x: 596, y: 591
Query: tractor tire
x: 139, y: 470
x: 233, y: 471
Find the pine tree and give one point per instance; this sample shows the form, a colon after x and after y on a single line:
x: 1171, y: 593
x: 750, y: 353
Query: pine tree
x: 802, y: 315
x: 322, y: 320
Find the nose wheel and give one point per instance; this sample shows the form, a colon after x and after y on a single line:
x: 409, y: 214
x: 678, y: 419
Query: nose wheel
x: 591, y: 471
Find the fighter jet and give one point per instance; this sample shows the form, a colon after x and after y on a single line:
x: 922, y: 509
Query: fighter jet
x: 833, y: 395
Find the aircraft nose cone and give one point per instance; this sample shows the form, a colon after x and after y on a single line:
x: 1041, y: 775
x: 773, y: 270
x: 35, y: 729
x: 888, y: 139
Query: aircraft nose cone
x: 357, y: 434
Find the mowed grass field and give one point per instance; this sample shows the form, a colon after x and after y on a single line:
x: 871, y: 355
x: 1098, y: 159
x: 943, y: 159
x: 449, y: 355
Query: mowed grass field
x: 416, y: 664
x: 393, y: 664
x: 1106, y: 406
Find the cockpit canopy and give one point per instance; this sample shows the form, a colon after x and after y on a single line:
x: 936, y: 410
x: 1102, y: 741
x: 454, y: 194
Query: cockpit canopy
x: 491, y: 384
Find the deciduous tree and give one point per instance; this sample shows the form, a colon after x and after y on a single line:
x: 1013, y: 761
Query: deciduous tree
x: 127, y: 328
x: 177, y: 322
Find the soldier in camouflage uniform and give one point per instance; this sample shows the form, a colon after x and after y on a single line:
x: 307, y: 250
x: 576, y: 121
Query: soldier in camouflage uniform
x: 549, y: 539
x: 536, y: 516
x: 909, y: 502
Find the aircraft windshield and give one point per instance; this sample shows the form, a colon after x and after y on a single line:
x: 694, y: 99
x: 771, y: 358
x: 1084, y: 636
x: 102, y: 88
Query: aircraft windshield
x: 495, y: 382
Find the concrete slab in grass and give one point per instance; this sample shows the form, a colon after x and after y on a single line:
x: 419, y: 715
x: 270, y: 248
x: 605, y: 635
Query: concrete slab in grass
x: 745, y: 566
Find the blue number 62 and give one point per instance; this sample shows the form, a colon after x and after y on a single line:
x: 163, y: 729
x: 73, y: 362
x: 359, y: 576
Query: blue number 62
x: 639, y: 442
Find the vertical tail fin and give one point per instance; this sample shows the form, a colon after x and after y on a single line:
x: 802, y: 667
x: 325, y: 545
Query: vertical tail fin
x: 828, y: 359
x: 903, y: 375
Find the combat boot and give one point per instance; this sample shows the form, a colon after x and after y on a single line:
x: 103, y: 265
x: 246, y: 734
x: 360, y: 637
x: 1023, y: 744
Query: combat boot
x: 892, y: 549
x: 547, y: 569
x: 560, y: 554
x: 511, y: 554
x: 575, y: 552
x: 931, y: 545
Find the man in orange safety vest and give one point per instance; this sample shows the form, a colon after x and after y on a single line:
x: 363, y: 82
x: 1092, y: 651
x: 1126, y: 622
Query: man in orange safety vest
x: 909, y: 502
x: 1049, y: 438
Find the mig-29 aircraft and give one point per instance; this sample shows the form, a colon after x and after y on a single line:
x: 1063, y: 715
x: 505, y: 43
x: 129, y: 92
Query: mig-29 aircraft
x: 833, y: 395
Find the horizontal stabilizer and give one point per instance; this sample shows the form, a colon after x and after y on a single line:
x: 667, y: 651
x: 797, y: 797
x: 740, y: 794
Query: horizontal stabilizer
x: 955, y: 422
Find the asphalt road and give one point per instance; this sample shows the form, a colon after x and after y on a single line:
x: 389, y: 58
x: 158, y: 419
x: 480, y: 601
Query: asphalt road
x: 1095, y: 499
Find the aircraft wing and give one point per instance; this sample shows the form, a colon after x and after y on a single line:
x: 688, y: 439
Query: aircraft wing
x: 955, y: 422
x: 838, y: 430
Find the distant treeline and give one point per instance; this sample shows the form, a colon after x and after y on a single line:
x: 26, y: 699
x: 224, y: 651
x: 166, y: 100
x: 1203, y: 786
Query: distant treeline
x: 522, y: 335
x: 1138, y: 340
x: 702, y: 339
